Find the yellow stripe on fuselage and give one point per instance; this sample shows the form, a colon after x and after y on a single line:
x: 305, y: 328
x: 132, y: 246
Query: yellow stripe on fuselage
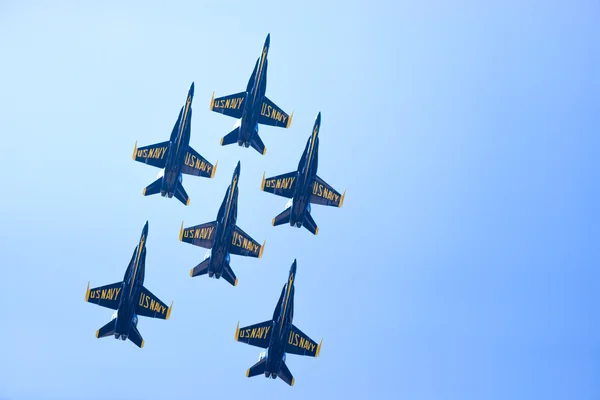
x: 262, y: 61
x: 312, y: 146
x: 233, y: 185
x: 185, y: 114
x: 287, y: 296
x: 137, y: 262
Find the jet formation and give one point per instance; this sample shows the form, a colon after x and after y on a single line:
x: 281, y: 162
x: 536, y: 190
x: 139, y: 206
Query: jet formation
x: 251, y: 107
x: 303, y: 187
x: 222, y: 237
x: 278, y: 336
x: 130, y: 299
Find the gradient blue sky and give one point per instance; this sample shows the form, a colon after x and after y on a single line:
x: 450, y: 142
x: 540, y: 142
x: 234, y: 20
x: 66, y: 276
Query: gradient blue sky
x: 463, y: 265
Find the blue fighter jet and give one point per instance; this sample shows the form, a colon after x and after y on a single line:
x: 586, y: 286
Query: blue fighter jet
x: 130, y: 298
x: 222, y: 237
x: 251, y: 107
x: 303, y: 187
x: 279, y: 336
x: 175, y: 157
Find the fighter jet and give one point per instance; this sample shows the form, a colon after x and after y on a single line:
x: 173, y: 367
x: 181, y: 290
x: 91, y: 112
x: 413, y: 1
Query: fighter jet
x: 303, y: 187
x: 175, y: 157
x: 251, y: 107
x: 279, y: 336
x: 222, y: 237
x: 130, y: 298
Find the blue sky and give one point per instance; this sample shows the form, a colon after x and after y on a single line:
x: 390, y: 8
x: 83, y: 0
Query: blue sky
x: 463, y: 265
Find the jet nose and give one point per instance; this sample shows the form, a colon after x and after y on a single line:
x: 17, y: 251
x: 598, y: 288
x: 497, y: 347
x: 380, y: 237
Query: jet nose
x: 268, y: 41
x: 293, y: 269
x: 237, y: 169
x: 191, y: 92
x: 318, y: 120
x: 145, y: 230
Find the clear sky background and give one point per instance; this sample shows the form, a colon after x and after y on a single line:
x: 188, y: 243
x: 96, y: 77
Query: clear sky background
x: 463, y: 265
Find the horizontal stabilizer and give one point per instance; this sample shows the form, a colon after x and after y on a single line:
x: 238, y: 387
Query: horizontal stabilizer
x: 281, y: 185
x: 231, y: 137
x: 153, y: 188
x: 257, y: 369
x: 135, y: 337
x: 195, y: 164
x: 231, y: 105
x: 106, y: 296
x: 243, y: 245
x: 107, y: 330
x: 325, y: 195
x: 180, y: 193
x: 150, y: 306
x: 202, y: 235
x: 310, y: 224
x: 285, y: 374
x: 200, y: 269
x: 272, y: 115
x: 228, y: 275
x: 257, y: 144
x: 283, y: 218
x: 300, y: 344
x: 154, y: 155
x: 258, y: 335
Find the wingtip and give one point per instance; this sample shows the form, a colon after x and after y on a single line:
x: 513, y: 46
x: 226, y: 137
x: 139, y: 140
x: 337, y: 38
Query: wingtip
x: 290, y: 119
x: 134, y: 150
x: 87, y: 292
x: 319, y: 348
x: 293, y: 381
x: 262, y: 184
x: 181, y: 232
x: 222, y: 141
x: 169, y: 311
x: 342, y: 199
x: 262, y: 248
x: 142, y: 345
x: 97, y: 333
x: 212, y: 175
x: 192, y: 273
x: 187, y: 203
x: 236, y: 282
x: 212, y: 101
x: 144, y: 192
x: 317, y: 231
x: 273, y: 222
x: 237, y: 331
x: 247, y: 372
x: 264, y: 151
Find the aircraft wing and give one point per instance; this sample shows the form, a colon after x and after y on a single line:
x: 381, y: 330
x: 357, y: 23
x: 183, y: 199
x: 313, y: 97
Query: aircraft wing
x: 299, y: 343
x: 195, y: 164
x: 106, y: 296
x: 152, y: 155
x: 258, y: 335
x: 325, y: 195
x: 229, y: 105
x: 244, y: 245
x: 202, y: 235
x: 281, y: 185
x: 272, y: 115
x: 150, y: 306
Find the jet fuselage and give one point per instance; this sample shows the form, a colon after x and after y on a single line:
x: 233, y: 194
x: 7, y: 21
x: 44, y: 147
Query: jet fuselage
x: 256, y: 89
x: 226, y: 220
x: 178, y: 147
x: 132, y: 285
